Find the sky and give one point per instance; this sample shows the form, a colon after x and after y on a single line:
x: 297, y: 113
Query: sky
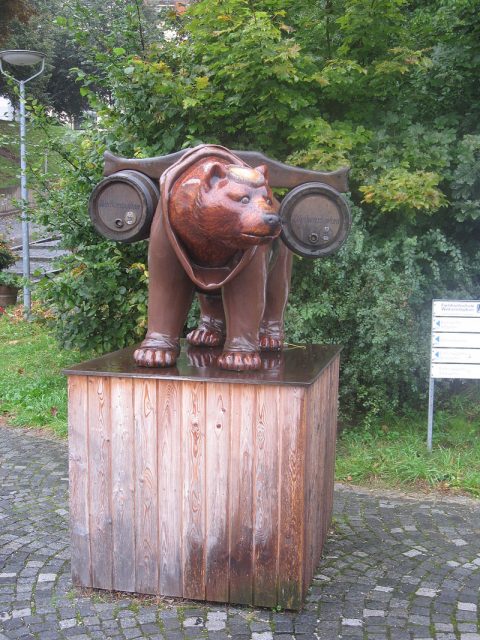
x: 5, y: 109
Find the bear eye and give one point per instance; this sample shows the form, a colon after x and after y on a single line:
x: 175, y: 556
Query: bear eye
x: 245, y: 200
x: 268, y: 200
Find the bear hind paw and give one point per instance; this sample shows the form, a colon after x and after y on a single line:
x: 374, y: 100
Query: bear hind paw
x: 271, y: 343
x: 205, y: 337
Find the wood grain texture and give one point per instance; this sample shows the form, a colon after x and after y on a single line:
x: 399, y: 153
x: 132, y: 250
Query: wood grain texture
x: 280, y: 174
x: 78, y: 472
x: 193, y: 447
x: 291, y: 486
x: 218, y: 425
x: 322, y: 410
x: 146, y: 503
x: 331, y: 425
x: 243, y: 411
x: 268, y: 443
x: 308, y: 488
x: 123, y: 484
x: 170, y: 483
x: 313, y: 467
x: 208, y: 491
x: 100, y: 485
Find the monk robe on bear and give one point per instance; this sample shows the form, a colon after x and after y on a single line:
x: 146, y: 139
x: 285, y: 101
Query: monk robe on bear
x: 212, y: 233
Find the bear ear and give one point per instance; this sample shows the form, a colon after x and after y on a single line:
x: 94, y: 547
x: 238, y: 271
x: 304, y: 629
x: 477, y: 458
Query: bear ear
x: 263, y: 169
x: 214, y: 173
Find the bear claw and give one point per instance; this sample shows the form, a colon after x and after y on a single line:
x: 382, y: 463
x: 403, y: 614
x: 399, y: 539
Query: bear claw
x: 155, y: 357
x: 204, y: 337
x: 271, y: 343
x: 240, y: 361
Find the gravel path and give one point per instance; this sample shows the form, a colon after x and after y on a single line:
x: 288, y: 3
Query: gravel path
x: 396, y: 567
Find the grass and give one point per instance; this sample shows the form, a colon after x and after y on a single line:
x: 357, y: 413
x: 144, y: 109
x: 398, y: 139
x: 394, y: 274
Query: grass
x: 390, y: 454
x: 394, y: 453
x: 32, y: 387
x: 10, y: 145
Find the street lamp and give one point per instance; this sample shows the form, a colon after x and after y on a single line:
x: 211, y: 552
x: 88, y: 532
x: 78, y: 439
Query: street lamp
x: 23, y: 58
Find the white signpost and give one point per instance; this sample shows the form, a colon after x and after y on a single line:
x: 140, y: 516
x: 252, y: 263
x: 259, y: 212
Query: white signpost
x: 455, y: 346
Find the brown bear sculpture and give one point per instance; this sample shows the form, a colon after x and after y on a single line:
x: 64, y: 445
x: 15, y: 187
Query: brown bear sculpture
x: 213, y: 233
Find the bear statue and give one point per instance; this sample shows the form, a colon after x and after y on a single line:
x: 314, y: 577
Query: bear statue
x: 215, y: 232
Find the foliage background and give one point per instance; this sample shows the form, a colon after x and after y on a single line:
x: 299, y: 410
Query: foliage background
x: 389, y: 88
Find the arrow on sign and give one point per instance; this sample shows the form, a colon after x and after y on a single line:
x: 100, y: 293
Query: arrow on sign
x: 437, y: 338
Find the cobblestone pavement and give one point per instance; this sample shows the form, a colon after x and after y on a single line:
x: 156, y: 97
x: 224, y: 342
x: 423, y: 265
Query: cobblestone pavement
x: 396, y: 567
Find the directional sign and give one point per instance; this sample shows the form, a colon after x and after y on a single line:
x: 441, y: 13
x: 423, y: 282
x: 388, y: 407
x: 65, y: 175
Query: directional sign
x: 457, y: 325
x: 467, y: 340
x: 457, y: 308
x: 455, y: 346
x: 470, y: 371
x: 466, y: 356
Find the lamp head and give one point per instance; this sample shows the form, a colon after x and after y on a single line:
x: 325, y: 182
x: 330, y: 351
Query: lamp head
x: 21, y: 57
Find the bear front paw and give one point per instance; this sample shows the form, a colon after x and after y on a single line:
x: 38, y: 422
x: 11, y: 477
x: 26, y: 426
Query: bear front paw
x: 205, y: 337
x: 240, y: 360
x: 150, y: 356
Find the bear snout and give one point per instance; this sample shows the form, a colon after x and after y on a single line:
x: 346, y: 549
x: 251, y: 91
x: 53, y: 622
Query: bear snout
x: 272, y: 220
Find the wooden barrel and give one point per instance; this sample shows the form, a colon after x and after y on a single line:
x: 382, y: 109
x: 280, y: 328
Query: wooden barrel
x: 316, y: 220
x: 122, y: 205
x: 8, y: 295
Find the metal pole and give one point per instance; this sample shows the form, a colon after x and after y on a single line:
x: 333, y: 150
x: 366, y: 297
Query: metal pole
x: 431, y: 393
x: 24, y: 195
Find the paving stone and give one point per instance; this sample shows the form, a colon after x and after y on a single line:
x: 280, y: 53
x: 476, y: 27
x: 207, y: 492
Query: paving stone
x: 47, y: 577
x: 397, y: 568
x: 215, y: 625
x: 217, y: 615
x: 352, y: 622
x: 426, y: 592
x: 373, y: 613
x: 467, y: 627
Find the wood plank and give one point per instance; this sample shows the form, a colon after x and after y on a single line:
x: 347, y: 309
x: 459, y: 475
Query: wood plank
x: 218, y: 424
x: 314, y: 460
x: 291, y: 481
x: 331, y: 441
x: 78, y: 467
x: 193, y: 436
x: 268, y: 443
x: 321, y: 394
x: 170, y: 482
x: 243, y: 410
x: 146, y: 503
x: 99, y: 451
x: 123, y: 483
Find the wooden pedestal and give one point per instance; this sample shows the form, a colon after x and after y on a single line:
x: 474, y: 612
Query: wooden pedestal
x: 200, y: 483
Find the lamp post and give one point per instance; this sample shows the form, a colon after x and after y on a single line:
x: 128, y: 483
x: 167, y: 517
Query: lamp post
x: 23, y: 58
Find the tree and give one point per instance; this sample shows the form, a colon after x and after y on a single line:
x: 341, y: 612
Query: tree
x: 12, y: 10
x: 320, y: 85
x: 41, y: 26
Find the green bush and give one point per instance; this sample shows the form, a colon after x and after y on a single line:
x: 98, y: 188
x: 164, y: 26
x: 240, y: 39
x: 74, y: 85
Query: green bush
x: 320, y: 87
x: 7, y: 257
